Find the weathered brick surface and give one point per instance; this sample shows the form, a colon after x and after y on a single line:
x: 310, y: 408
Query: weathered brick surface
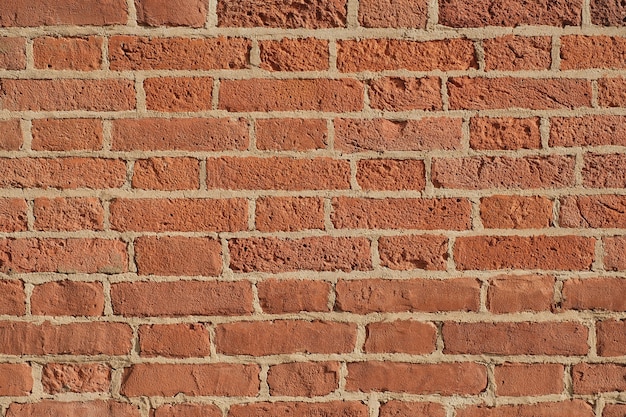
x: 312, y: 208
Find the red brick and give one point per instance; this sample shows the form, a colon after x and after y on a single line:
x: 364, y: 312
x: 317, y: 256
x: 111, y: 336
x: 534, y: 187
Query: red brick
x: 312, y: 253
x: 288, y: 14
x: 180, y: 134
x: 395, y: 408
x: 577, y: 408
x: 611, y: 335
x: 545, y: 338
x: 74, y: 409
x: 188, y: 215
x: 401, y: 336
x: 604, y: 170
x: 514, y: 53
x: 303, y: 379
x: 413, y: 252
x: 232, y: 173
x: 143, y: 53
x: 588, y: 131
x: 63, y: 255
x: 174, y: 340
x: 597, y: 211
x: 517, y: 293
x: 178, y: 94
x: 579, y: 52
x: 300, y: 409
x: 413, y: 378
x: 614, y: 410
x: 391, y: 175
x: 615, y: 253
x: 63, y: 173
x: 393, y: 13
x: 76, y: 377
x: 612, y: 92
x: 594, y: 294
x: 13, y: 217
x: 365, y: 296
x: 80, y: 53
x: 260, y: 338
x: 13, y: 53
x: 68, y: 214
x: 293, y: 296
x: 308, y: 54
x: 66, y: 94
x: 167, y: 380
x: 11, y: 138
x: 188, y: 410
x: 181, y: 298
x: 289, y: 213
x: 68, y: 298
x: 488, y: 133
x: 503, y: 93
x: 394, y: 54
x: 15, y: 379
x: 596, y: 378
x: 12, y: 297
x: 517, y: 252
x: 356, y: 135
x: 67, y: 134
x: 522, y: 379
x: 478, y: 13
x: 71, y: 12
x: 291, y: 134
x: 292, y: 94
x: 401, y: 213
x: 166, y: 13
x: 167, y: 174
x: 178, y: 255
x: 608, y: 13
x: 515, y: 212
x: 503, y: 172
x: 399, y: 94
x: 94, y: 338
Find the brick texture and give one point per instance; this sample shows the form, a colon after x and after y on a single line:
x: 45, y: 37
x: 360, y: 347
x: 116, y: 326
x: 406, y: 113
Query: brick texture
x: 312, y: 208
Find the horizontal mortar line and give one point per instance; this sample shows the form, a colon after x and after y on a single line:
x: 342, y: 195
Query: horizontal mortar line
x: 133, y: 155
x: 308, y: 114
x: 318, y: 233
x: 438, y: 32
x: 113, y: 193
x: 568, y: 316
x: 256, y: 73
x: 326, y: 276
x: 433, y: 359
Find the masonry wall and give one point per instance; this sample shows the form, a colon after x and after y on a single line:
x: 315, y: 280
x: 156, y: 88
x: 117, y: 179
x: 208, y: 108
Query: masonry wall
x: 306, y: 208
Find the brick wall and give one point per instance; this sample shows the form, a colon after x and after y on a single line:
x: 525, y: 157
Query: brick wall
x: 305, y: 208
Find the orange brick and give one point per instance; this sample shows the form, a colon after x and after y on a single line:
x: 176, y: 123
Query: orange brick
x: 11, y: 138
x: 516, y: 293
x: 303, y: 379
x: 577, y: 408
x: 167, y: 174
x: 308, y: 54
x: 401, y: 336
x: 12, y: 297
x: 13, y: 56
x: 75, y: 409
x: 395, y: 408
x: 15, y: 379
x: 514, y: 53
x: 400, y: 94
x: 513, y: 212
x: 165, y: 13
x: 357, y: 135
x: 312, y: 253
x: 521, y: 379
x: 391, y: 174
x: 393, y: 14
x: 293, y: 296
x: 594, y: 294
x: 413, y: 252
x: 289, y: 213
x: 67, y: 134
x: 164, y: 340
x: 68, y: 214
x: 178, y: 255
x: 70, y: 377
x: 588, y: 131
x: 81, y: 54
x: 396, y: 213
x: 291, y: 134
x: 597, y: 378
x: 504, y: 133
x: 68, y: 298
x: 611, y: 335
x: 284, y: 336
x: 300, y: 409
x: 181, y: 298
x: 188, y: 410
x: 615, y: 253
x: 394, y: 54
x: 13, y: 215
x: 612, y: 92
x: 579, y: 52
x: 178, y: 94
x: 72, y: 12
x: 604, y: 171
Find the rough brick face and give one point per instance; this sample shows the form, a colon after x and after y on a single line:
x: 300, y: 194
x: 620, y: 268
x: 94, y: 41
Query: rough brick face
x: 312, y: 208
